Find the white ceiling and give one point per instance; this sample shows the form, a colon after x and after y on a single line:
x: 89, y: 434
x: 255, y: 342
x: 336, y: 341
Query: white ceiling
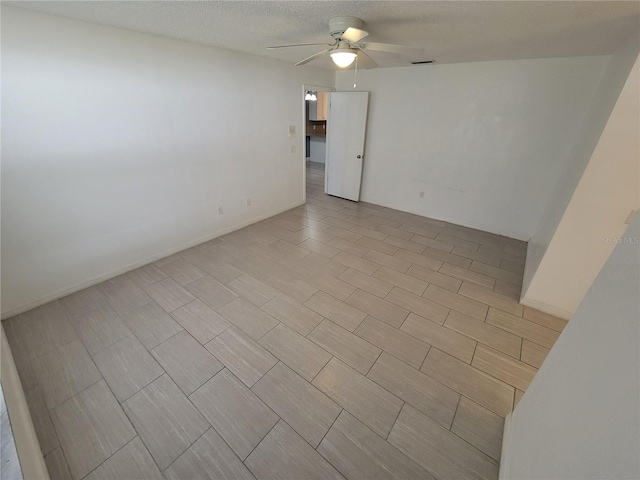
x: 449, y: 31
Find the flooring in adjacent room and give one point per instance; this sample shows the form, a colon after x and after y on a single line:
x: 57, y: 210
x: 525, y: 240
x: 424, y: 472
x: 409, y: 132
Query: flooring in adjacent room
x: 337, y: 339
x: 9, y: 464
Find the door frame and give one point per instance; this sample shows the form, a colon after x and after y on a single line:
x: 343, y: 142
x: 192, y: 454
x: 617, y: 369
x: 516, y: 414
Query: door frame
x: 316, y: 88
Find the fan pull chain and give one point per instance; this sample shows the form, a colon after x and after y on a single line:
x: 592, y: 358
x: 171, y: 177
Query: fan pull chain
x: 355, y: 75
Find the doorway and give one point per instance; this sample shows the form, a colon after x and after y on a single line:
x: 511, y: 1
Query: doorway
x: 315, y: 108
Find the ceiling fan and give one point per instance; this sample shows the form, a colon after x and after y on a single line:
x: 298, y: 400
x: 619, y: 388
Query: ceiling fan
x: 348, y: 45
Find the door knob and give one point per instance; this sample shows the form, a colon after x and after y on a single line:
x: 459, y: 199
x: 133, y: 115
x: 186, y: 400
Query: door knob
x: 359, y: 156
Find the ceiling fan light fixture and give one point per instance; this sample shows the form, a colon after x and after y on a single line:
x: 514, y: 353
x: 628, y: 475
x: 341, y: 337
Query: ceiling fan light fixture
x: 343, y: 57
x: 310, y: 96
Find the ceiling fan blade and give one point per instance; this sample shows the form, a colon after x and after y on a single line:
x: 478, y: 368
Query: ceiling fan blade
x: 365, y: 61
x: 297, y: 45
x: 354, y: 34
x: 390, y: 48
x: 313, y: 57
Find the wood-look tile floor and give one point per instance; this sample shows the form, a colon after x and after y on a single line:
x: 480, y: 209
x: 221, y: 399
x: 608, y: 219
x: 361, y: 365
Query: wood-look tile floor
x: 337, y: 339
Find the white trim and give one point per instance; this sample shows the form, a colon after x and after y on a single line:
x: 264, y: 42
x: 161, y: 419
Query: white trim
x: 114, y: 273
x: 546, y: 308
x: 304, y: 144
x: 503, y: 473
x: 24, y: 434
x: 322, y: 88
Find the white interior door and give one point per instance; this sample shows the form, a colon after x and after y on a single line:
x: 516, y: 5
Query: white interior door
x: 346, y: 128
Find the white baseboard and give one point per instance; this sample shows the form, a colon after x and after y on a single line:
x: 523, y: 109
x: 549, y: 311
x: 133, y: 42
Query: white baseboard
x: 119, y: 271
x: 503, y: 473
x: 546, y: 308
x: 454, y: 221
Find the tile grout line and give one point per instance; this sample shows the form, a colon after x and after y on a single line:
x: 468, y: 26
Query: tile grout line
x: 218, y: 433
x: 453, y: 419
x: 374, y: 362
x: 477, y: 370
x: 465, y: 440
x: 191, y: 445
x: 114, y: 453
x: 262, y: 439
x: 396, y: 420
x: 328, y: 430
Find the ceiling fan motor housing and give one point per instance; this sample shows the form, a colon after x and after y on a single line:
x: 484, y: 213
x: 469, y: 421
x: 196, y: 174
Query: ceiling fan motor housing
x: 338, y: 25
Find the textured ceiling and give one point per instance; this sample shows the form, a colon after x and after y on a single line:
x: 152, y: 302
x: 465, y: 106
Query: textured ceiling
x: 449, y: 31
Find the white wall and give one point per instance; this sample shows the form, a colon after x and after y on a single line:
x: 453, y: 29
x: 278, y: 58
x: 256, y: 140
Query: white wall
x: 579, y: 417
x: 583, y: 151
x: 318, y: 149
x: 118, y: 147
x: 608, y: 191
x: 485, y: 141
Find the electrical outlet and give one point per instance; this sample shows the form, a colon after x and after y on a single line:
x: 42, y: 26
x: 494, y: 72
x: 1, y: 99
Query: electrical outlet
x: 220, y: 210
x: 293, y: 149
x: 421, y: 195
x: 248, y: 202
